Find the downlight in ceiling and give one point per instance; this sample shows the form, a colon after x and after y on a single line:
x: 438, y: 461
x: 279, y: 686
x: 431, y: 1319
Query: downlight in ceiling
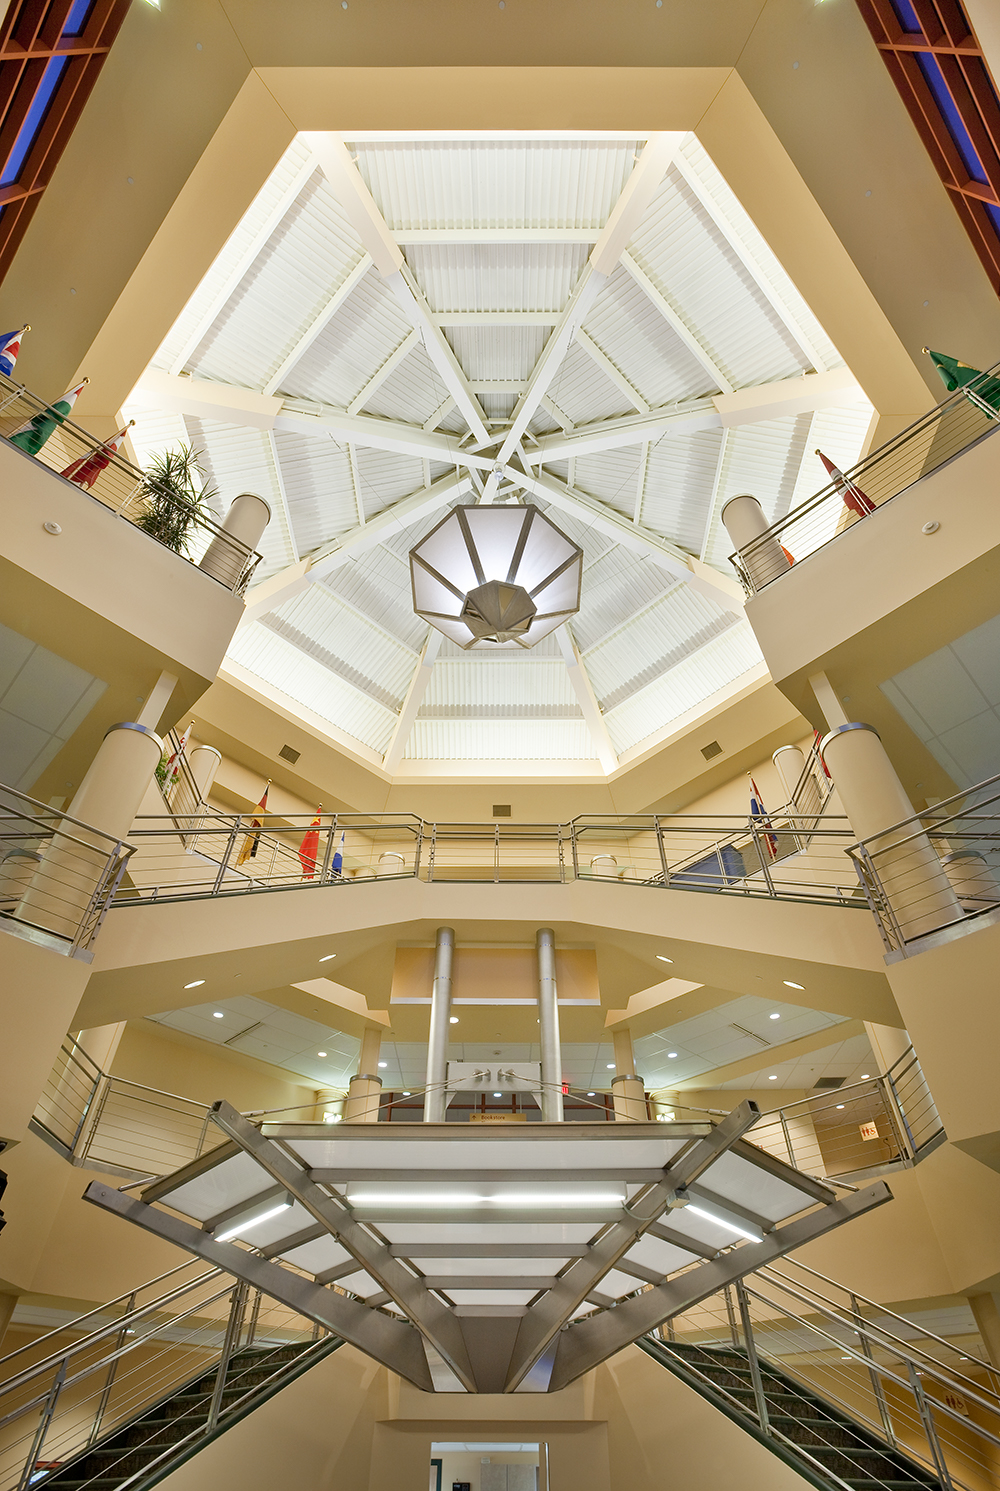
x: 490, y: 577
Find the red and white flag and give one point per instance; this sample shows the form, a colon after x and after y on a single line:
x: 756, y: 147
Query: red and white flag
x: 174, y: 764
x: 851, y: 493
x: 88, y: 468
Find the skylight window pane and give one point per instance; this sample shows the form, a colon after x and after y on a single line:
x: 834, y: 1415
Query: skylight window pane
x: 931, y: 69
x: 33, y: 120
x: 907, y: 15
x: 77, y: 19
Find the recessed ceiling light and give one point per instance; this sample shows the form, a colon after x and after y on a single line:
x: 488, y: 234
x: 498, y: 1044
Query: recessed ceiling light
x: 383, y: 1063
x: 498, y: 1094
x: 773, y: 1077
x: 452, y: 1019
x: 774, y: 1016
x: 218, y: 1015
x: 840, y: 1105
x: 671, y: 1055
x: 328, y: 957
x: 790, y: 985
x: 664, y: 959
x: 865, y: 1076
x: 320, y: 1053
x: 406, y: 1094
x: 196, y: 984
x: 591, y: 1094
x: 611, y: 1066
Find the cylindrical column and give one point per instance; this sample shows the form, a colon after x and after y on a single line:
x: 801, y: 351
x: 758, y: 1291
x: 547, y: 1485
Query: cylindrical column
x: 986, y: 1314
x: 626, y: 1088
x: 909, y: 870
x: 226, y: 556
x: 107, y: 799
x: 790, y: 763
x: 204, y: 762
x: 366, y: 1085
x: 745, y: 523
x: 888, y: 1043
x: 972, y: 879
x: 437, y: 1040
x: 548, y: 1026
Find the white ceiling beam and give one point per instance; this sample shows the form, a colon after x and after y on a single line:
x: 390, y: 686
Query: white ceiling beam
x: 614, y: 525
x: 772, y: 295
x: 713, y: 502
x: 377, y: 434
x: 640, y: 484
x: 676, y: 325
x: 495, y: 318
x: 624, y: 218
x: 243, y: 263
x: 359, y: 204
x: 279, y: 480
x: 419, y: 684
x: 804, y: 395
x: 359, y: 505
x: 442, y: 409
x: 320, y: 322
x: 205, y: 400
x: 387, y: 369
x: 496, y: 235
x: 587, y: 699
x: 610, y: 434
x: 607, y: 367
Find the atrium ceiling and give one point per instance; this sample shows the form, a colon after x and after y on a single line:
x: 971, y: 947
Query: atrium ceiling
x: 362, y: 404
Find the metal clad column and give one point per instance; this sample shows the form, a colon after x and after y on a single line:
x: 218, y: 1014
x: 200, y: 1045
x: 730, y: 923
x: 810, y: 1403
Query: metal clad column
x: 437, y: 1040
x: 548, y: 1024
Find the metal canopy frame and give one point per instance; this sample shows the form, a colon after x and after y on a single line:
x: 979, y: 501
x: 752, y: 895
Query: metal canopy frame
x: 490, y: 1281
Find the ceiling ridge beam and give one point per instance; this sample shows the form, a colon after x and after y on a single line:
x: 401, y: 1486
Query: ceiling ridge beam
x: 348, y: 184
x: 680, y: 329
x: 636, y: 196
x: 320, y: 322
x: 375, y: 432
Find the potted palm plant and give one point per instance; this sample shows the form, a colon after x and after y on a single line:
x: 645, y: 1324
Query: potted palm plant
x: 173, y: 495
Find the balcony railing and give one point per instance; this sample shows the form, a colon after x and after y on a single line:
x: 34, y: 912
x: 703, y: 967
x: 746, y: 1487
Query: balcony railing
x: 936, y: 870
x: 936, y: 438
x: 57, y: 875
x: 791, y: 855
x: 120, y: 486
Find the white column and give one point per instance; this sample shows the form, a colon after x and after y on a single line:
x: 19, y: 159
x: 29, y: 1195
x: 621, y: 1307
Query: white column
x: 366, y: 1085
x: 790, y: 763
x: 626, y: 1088
x: 107, y: 799
x: 745, y: 523
x: 204, y: 762
x: 909, y: 869
x: 548, y: 1025
x: 435, y: 1097
x: 226, y: 556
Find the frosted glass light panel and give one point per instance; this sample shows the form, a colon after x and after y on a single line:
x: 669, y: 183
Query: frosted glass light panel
x: 496, y: 577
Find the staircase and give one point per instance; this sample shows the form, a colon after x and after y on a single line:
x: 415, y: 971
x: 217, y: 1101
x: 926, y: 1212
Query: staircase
x: 823, y: 1444
x: 162, y: 1437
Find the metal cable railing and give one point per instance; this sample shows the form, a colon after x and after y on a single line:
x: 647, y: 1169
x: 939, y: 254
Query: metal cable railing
x: 855, y: 1392
x: 58, y: 875
x: 790, y: 855
x: 116, y: 483
x: 958, y: 423
x: 937, y: 869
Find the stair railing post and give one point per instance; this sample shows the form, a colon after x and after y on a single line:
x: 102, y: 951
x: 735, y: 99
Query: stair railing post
x: 254, y: 1318
x: 876, y: 1380
x: 760, y: 1402
x: 43, y: 1427
x: 105, y: 1397
x: 233, y: 1327
x: 731, y: 1313
x: 927, y: 1419
x: 788, y: 1138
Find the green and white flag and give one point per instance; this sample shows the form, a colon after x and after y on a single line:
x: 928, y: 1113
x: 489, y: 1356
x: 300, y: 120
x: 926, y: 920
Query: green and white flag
x: 979, y: 388
x: 32, y: 436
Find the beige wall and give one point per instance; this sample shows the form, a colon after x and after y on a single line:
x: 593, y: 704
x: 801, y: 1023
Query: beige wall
x: 39, y: 993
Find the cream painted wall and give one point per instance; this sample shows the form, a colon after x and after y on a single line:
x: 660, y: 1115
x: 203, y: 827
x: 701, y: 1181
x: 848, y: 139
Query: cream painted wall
x: 39, y: 992
x: 159, y: 1057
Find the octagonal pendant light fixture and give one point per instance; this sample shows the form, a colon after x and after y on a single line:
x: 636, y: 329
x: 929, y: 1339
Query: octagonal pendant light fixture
x: 492, y: 577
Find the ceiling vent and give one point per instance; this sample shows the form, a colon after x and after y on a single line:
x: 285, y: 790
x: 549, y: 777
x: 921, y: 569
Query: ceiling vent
x: 289, y: 753
x: 828, y: 1084
x: 501, y: 810
x: 712, y: 750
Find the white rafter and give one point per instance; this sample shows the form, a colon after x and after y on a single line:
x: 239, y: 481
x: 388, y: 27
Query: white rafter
x: 387, y: 369
x: 283, y: 496
x: 244, y: 263
x: 352, y: 461
x: 772, y: 295
x: 587, y: 699
x: 614, y: 374
x: 640, y: 483
x: 676, y: 325
x: 713, y: 501
x: 378, y: 434
x: 320, y: 322
x: 622, y: 222
x: 357, y: 201
x: 419, y: 684
x: 610, y: 434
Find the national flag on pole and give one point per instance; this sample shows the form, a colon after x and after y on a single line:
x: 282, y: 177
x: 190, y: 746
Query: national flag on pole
x: 757, y: 811
x: 817, y: 742
x: 955, y: 375
x: 309, y: 848
x: 33, y: 435
x: 10, y: 346
x: 338, y: 858
x: 851, y: 493
x: 174, y: 764
x: 249, y: 848
x: 88, y: 468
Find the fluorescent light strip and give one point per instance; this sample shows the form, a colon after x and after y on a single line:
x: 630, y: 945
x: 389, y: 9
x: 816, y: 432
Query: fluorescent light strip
x: 710, y: 1216
x: 245, y: 1226
x: 450, y: 1199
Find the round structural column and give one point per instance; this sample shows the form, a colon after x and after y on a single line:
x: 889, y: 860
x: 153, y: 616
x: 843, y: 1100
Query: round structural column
x: 226, y: 557
x: 762, y: 558
x: 909, y: 869
x: 972, y: 879
x: 790, y: 763
x: 627, y: 1089
x: 366, y: 1085
x: 204, y: 762
x: 108, y: 798
x: 435, y: 1096
x: 548, y: 1026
